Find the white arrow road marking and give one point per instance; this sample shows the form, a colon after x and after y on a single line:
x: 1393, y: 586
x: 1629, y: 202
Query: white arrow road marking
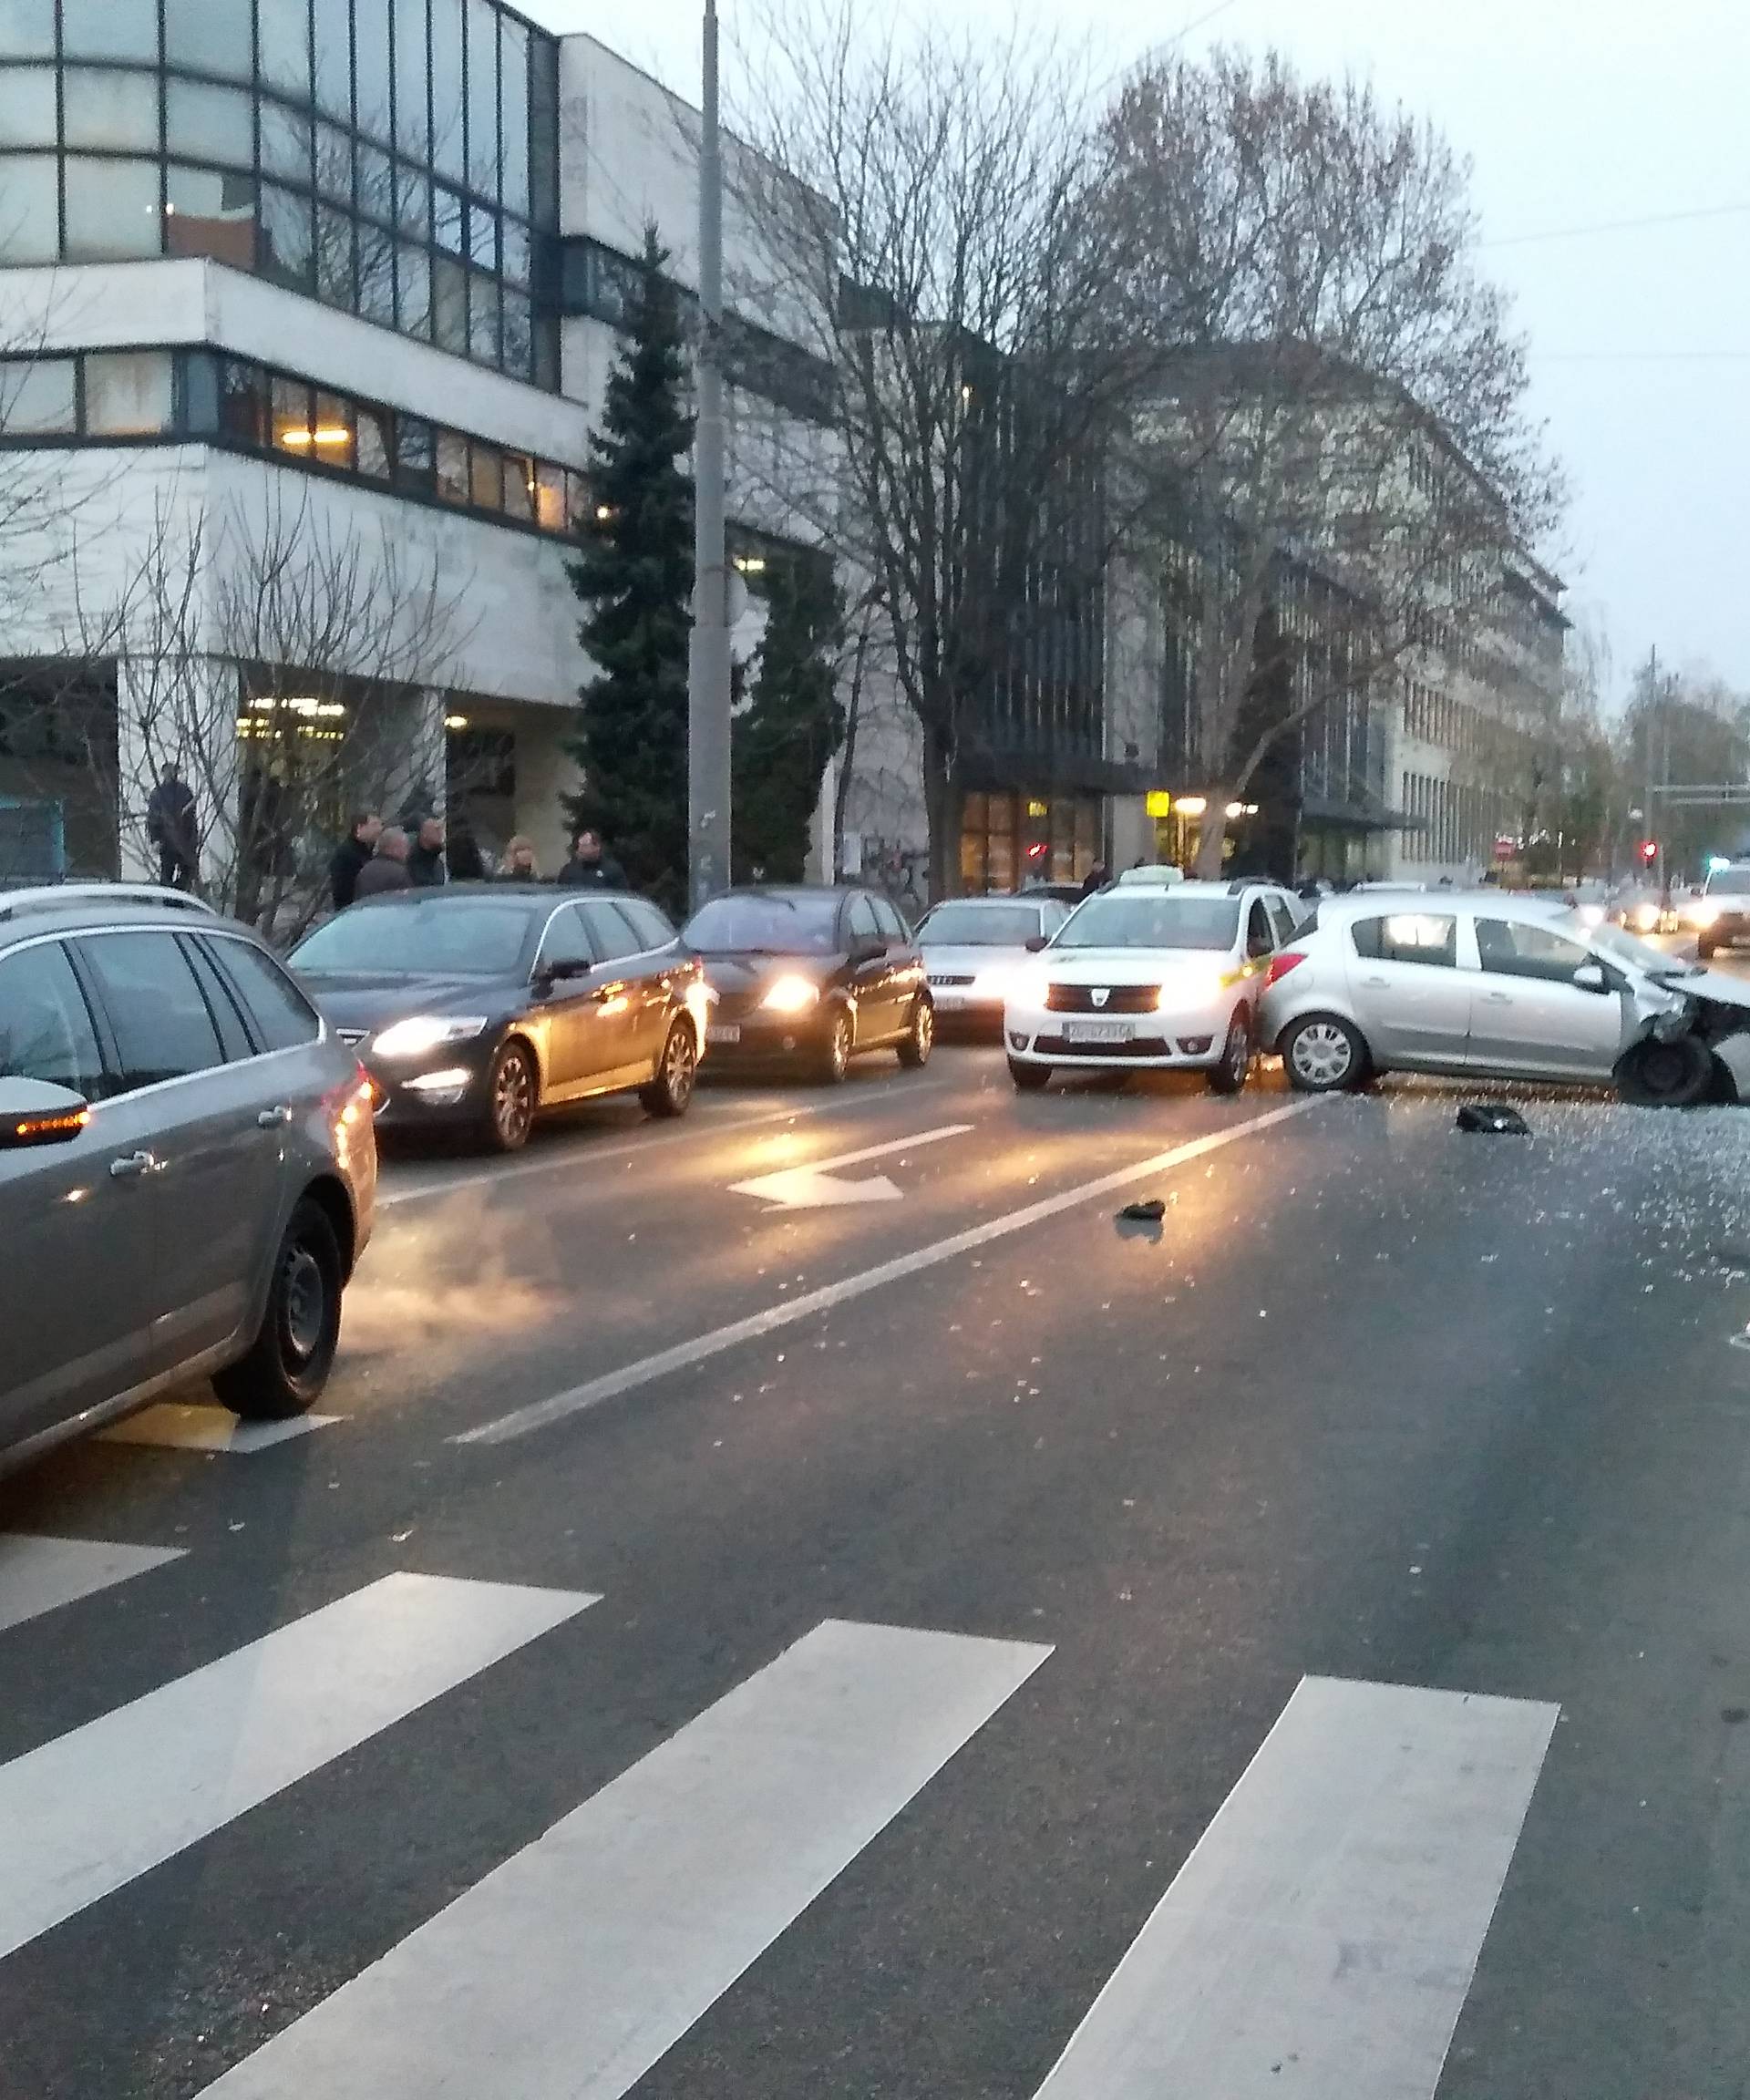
x: 815, y: 1186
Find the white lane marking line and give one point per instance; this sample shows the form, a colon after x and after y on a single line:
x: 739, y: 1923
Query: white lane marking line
x: 1320, y: 1940
x: 40, y: 1574
x: 572, y: 1967
x: 813, y: 1184
x: 542, y: 1413
x: 581, y: 1156
x: 83, y: 1814
x: 176, y: 1428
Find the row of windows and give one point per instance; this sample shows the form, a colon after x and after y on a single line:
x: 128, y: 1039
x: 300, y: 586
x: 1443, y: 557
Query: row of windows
x: 1457, y: 821
x: 1505, y: 947
x: 1435, y: 717
x: 203, y: 397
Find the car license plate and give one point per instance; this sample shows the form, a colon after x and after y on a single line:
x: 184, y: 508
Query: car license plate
x: 1098, y: 1031
x: 724, y: 1032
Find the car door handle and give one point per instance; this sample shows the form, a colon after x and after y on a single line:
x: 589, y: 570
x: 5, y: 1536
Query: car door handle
x: 1498, y: 998
x: 1376, y: 983
x: 133, y: 1166
x: 273, y: 1118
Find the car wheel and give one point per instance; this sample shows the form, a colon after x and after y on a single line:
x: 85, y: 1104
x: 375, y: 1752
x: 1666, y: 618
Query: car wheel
x: 1656, y: 1074
x: 513, y: 1098
x: 1230, y: 1074
x: 834, y: 1059
x: 1324, y: 1054
x: 290, y: 1359
x: 920, y: 1037
x: 670, y: 1091
x: 1029, y: 1078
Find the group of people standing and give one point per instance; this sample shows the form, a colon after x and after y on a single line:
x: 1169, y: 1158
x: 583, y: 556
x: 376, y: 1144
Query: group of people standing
x: 375, y: 858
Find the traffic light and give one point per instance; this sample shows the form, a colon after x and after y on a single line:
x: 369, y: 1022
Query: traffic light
x: 1649, y: 850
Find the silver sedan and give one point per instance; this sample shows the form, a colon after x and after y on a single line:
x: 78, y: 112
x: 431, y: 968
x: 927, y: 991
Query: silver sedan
x: 974, y: 948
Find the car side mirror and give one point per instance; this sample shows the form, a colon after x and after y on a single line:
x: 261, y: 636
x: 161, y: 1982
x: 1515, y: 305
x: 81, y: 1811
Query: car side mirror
x: 34, y: 1113
x: 1589, y: 977
x: 551, y: 973
x: 866, y: 950
x: 1039, y: 943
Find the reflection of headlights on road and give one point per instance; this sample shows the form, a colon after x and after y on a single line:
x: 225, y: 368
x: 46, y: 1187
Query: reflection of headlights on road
x: 424, y: 1032
x: 791, y: 996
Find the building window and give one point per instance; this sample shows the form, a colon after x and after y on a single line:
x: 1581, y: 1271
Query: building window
x: 452, y: 467
x: 209, y: 36
x: 128, y: 394
x: 30, y: 209
x: 27, y: 29
x: 27, y: 106
x: 103, y: 29
x: 210, y: 123
x: 39, y: 399
x: 211, y: 212
x: 113, y: 211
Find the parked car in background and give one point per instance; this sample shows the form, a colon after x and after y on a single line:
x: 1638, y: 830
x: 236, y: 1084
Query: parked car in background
x: 188, y: 1170
x: 477, y: 1007
x: 1150, y: 977
x: 1721, y: 912
x: 974, y: 947
x: 810, y: 977
x: 1642, y: 909
x: 1512, y: 987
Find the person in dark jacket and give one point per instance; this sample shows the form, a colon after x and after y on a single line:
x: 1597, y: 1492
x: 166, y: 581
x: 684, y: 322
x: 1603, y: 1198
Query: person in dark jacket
x: 351, y: 857
x: 590, y: 867
x: 1097, y: 879
x: 387, y: 867
x: 426, y: 869
x: 466, y: 863
x: 170, y: 826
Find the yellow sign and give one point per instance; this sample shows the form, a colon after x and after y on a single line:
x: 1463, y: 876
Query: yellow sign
x: 1160, y: 803
x: 1038, y: 809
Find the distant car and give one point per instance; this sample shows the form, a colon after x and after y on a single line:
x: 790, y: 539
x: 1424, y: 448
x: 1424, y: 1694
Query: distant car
x: 1720, y: 913
x: 1150, y: 977
x: 1512, y: 987
x: 1642, y: 911
x: 810, y: 977
x: 1070, y: 893
x: 480, y: 1006
x: 188, y: 1171
x: 973, y: 948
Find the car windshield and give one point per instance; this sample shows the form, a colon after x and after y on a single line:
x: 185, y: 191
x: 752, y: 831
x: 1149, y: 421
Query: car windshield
x: 1612, y: 941
x: 975, y: 925
x: 765, y: 925
x: 469, y: 940
x: 1728, y: 881
x: 1134, y: 919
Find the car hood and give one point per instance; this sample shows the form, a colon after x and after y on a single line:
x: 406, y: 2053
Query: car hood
x: 732, y: 974
x: 1714, y: 984
x: 346, y: 1000
x: 1132, y: 965
x: 945, y: 959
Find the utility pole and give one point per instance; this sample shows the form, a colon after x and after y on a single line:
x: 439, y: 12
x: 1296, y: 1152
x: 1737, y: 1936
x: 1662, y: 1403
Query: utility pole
x: 708, y: 679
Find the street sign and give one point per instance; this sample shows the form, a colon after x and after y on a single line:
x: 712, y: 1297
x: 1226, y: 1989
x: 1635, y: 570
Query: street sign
x: 1159, y: 802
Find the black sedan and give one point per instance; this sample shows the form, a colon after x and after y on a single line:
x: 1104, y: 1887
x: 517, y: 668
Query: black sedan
x: 478, y: 1006
x: 810, y: 977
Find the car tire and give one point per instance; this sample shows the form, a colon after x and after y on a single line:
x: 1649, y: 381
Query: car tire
x: 1679, y: 1075
x: 920, y: 1036
x: 1029, y: 1078
x: 832, y: 1061
x: 1324, y: 1053
x: 288, y: 1363
x: 670, y: 1091
x: 1230, y: 1074
x: 513, y: 1098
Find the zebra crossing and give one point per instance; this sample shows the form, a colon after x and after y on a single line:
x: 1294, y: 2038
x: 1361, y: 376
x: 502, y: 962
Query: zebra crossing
x: 1319, y: 1942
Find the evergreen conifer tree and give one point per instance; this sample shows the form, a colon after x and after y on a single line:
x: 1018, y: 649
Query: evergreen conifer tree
x: 793, y: 723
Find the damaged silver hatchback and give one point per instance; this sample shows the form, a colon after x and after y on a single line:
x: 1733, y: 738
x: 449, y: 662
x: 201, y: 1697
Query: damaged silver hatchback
x: 1487, y: 986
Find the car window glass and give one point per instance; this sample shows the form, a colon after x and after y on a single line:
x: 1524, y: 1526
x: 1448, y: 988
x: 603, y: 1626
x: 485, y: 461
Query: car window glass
x: 1260, y: 940
x: 887, y: 919
x: 613, y: 933
x: 282, y: 1016
x: 1281, y: 918
x: 164, y: 1029
x: 222, y: 1004
x: 564, y: 941
x: 862, y: 924
x: 45, y: 1031
x: 652, y: 922
x: 1513, y: 948
x: 1423, y: 937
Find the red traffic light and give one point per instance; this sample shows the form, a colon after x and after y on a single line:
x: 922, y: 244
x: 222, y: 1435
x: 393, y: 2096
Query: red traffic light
x: 1649, y: 849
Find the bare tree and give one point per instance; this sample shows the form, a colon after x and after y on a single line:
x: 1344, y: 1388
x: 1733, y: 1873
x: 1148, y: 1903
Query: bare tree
x: 1338, y: 399
x: 920, y: 205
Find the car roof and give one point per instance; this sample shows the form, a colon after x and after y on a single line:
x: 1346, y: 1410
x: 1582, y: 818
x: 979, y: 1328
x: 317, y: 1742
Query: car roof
x: 1500, y: 903
x: 68, y: 907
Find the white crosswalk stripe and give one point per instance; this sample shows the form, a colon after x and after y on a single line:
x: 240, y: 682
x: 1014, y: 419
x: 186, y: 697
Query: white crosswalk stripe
x: 173, y: 1427
x: 40, y: 1574
x: 574, y: 1966
x: 85, y: 1814
x: 1320, y: 1940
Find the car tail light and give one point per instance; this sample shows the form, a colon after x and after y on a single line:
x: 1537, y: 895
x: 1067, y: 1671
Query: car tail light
x: 1281, y: 965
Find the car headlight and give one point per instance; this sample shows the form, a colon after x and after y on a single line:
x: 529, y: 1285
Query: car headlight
x: 424, y: 1032
x: 1702, y: 910
x: 791, y: 996
x: 1646, y: 917
x: 999, y: 981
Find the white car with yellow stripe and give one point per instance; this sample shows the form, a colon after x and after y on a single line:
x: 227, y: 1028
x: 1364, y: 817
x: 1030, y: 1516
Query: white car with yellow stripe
x: 1150, y: 978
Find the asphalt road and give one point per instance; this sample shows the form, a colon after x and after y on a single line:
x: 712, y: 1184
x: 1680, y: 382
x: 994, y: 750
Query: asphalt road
x: 883, y: 1599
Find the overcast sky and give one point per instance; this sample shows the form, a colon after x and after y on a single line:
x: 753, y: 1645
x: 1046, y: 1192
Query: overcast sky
x: 1577, y: 114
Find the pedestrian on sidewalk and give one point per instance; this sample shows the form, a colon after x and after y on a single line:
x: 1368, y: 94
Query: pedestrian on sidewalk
x: 170, y: 826
x: 590, y: 867
x: 351, y: 857
x: 426, y: 869
x: 519, y: 864
x: 388, y: 867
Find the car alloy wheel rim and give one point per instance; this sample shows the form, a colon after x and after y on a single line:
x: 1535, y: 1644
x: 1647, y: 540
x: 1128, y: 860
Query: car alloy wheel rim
x: 511, y: 1099
x: 839, y: 1052
x: 305, y: 1298
x: 677, y: 1068
x: 923, y: 1030
x: 1321, y: 1054
x: 1238, y: 1052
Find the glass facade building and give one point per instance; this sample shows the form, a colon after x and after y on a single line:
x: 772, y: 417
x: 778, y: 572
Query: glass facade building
x: 397, y: 159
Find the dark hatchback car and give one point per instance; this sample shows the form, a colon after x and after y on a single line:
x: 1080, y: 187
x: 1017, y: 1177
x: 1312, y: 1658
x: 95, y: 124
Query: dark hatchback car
x: 811, y: 977
x: 478, y: 1007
